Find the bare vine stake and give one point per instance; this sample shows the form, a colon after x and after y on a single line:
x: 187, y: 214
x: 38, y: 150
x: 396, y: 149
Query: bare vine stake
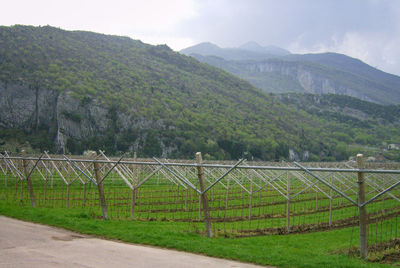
x: 16, y: 185
x: 21, y: 194
x: 204, y: 199
x: 330, y: 206
x: 186, y: 199
x: 227, y: 195
x: 134, y: 191
x: 45, y: 190
x: 134, y: 196
x: 362, y: 210
x: 101, y: 190
x: 84, y: 194
x: 288, y: 203
x: 251, y: 199
x: 68, y: 193
x: 28, y: 181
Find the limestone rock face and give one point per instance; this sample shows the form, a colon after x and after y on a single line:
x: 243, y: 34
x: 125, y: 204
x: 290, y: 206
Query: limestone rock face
x: 28, y: 108
x: 310, y: 81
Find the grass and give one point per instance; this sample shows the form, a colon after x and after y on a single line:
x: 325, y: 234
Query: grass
x: 160, y: 201
x: 160, y: 206
x: 294, y: 250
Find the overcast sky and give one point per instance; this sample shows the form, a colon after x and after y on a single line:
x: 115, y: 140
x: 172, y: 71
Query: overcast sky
x: 364, y: 29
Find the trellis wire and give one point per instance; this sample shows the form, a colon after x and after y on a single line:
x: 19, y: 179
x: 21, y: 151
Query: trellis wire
x: 244, y: 198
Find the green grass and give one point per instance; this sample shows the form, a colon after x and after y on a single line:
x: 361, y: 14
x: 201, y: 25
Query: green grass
x: 295, y: 250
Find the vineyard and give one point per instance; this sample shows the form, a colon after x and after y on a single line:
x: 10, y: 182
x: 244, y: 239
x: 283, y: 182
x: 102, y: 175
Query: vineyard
x: 231, y: 199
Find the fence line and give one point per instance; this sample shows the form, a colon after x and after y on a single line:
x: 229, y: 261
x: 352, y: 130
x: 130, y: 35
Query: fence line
x: 235, y: 199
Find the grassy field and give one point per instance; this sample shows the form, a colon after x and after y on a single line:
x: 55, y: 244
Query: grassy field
x: 168, y: 215
x: 318, y: 249
x: 233, y: 212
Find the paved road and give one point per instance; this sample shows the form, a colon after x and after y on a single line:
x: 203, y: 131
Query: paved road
x: 24, y: 244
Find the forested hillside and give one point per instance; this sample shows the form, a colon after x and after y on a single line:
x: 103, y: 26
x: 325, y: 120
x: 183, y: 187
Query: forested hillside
x: 72, y: 91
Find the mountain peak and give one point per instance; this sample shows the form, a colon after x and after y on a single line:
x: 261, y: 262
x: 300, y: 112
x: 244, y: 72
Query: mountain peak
x: 205, y: 48
x: 272, y: 50
x: 253, y: 46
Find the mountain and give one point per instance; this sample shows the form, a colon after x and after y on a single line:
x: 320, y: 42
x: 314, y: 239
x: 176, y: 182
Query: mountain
x: 248, y: 51
x: 269, y: 50
x: 68, y: 91
x: 310, y: 73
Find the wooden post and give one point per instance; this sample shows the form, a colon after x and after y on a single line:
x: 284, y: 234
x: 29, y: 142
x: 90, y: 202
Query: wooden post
x: 21, y: 194
x: 135, y: 167
x: 288, y: 203
x: 68, y: 194
x: 133, y: 203
x: 362, y: 210
x: 28, y: 180
x: 330, y: 211
x: 45, y: 191
x: 186, y: 199
x: 16, y: 185
x: 134, y: 191
x: 204, y: 199
x: 101, y: 190
x: 227, y: 195
x: 251, y: 199
x: 84, y: 195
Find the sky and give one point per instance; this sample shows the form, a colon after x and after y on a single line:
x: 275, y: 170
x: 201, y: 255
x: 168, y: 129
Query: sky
x: 364, y: 29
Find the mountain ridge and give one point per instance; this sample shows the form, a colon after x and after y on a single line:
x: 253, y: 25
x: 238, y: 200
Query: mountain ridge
x: 312, y: 73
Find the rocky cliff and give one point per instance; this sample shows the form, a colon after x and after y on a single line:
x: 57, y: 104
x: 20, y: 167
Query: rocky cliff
x: 67, y: 118
x: 307, y: 78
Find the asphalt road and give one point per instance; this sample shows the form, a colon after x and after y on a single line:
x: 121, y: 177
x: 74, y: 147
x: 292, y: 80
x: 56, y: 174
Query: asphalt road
x: 25, y: 244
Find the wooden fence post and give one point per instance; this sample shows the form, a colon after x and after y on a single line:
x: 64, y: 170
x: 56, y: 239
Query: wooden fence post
x: 362, y: 210
x: 133, y: 203
x: 288, y: 202
x: 28, y: 180
x: 101, y: 190
x: 134, y: 191
x: 330, y: 206
x: 203, y: 196
x: 251, y: 199
x: 84, y: 195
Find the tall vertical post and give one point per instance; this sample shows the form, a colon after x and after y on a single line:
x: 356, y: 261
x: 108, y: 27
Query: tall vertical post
x: 134, y: 191
x: 251, y: 199
x: 84, y: 194
x: 68, y: 194
x: 330, y: 203
x: 133, y: 203
x: 134, y: 166
x: 28, y: 180
x: 101, y: 190
x: 203, y: 196
x: 288, y: 202
x: 362, y: 210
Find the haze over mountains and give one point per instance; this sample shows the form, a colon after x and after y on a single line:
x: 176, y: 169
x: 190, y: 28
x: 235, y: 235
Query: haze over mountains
x: 68, y: 91
x: 278, y: 71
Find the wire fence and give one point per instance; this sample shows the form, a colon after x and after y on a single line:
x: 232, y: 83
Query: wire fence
x: 231, y: 199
